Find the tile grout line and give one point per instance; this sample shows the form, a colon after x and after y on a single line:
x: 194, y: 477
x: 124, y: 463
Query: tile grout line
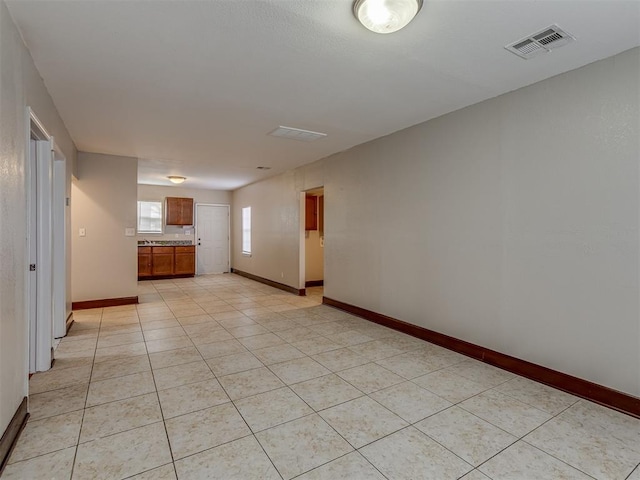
x: 75, y: 456
x: 164, y: 423
x: 185, y: 290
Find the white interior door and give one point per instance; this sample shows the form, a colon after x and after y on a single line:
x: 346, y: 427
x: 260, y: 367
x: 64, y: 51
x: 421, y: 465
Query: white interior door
x: 32, y: 278
x: 42, y: 333
x: 44, y: 185
x: 212, y: 239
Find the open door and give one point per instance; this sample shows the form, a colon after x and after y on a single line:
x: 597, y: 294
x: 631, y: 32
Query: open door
x: 46, y: 263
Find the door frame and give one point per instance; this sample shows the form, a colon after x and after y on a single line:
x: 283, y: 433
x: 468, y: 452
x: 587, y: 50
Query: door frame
x: 40, y: 296
x: 302, y: 249
x: 59, y: 217
x: 195, y: 231
x: 302, y: 257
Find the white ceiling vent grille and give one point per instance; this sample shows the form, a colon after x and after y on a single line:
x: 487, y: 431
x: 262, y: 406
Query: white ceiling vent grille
x: 297, y: 134
x: 540, y: 42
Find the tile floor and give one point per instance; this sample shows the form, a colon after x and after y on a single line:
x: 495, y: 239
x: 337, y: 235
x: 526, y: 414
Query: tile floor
x: 221, y: 377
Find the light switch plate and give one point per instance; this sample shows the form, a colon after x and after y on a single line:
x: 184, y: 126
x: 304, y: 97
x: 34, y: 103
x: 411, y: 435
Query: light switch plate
x: 129, y: 232
x: 82, y: 232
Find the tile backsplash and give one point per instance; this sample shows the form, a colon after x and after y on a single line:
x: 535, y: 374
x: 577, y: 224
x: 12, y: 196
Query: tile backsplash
x: 170, y: 233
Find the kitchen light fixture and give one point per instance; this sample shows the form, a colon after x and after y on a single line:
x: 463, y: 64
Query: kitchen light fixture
x: 386, y: 16
x: 176, y: 179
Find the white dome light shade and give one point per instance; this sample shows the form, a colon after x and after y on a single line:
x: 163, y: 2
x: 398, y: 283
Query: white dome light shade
x: 386, y: 16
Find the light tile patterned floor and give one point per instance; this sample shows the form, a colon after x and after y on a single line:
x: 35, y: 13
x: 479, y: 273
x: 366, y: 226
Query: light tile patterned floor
x: 219, y: 377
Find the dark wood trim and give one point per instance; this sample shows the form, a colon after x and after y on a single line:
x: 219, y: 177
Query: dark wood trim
x: 165, y: 277
x: 300, y: 292
x: 314, y: 283
x: 107, y: 302
x: 12, y: 433
x: 606, y: 396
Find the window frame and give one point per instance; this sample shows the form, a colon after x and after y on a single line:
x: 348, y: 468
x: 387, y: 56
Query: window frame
x: 150, y: 232
x: 246, y: 231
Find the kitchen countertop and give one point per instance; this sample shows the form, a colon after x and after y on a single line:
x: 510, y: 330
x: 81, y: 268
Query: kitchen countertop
x: 164, y: 243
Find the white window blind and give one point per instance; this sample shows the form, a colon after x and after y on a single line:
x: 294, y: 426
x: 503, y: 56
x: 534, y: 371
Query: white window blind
x: 149, y: 217
x: 246, y: 231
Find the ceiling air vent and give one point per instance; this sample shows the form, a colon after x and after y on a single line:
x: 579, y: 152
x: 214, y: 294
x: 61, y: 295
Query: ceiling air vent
x: 297, y: 134
x: 540, y: 42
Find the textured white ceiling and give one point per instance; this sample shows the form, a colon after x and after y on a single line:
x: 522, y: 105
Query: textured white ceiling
x: 193, y: 88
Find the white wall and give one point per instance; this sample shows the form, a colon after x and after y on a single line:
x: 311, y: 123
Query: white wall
x: 512, y: 224
x: 104, y: 263
x: 20, y: 86
x: 157, y: 193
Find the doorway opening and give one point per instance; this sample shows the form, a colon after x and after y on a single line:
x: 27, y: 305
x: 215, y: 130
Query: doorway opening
x: 312, y: 242
x: 47, y: 306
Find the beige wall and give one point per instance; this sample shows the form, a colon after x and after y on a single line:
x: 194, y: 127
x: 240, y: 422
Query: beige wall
x: 104, y: 262
x: 20, y: 86
x: 512, y: 224
x: 157, y: 193
x: 314, y: 256
x: 275, y: 205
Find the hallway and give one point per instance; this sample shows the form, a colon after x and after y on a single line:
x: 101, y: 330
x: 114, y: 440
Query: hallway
x: 222, y: 377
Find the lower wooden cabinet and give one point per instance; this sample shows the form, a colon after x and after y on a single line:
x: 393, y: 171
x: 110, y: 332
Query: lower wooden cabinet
x: 185, y: 261
x: 166, y: 261
x: 144, y: 262
x: 162, y: 261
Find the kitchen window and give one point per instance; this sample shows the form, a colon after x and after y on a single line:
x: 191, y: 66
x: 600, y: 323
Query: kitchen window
x: 149, y: 217
x: 246, y: 231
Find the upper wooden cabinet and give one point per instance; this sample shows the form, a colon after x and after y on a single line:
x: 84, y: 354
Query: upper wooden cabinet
x: 178, y: 211
x: 314, y: 213
x: 311, y: 213
x: 321, y: 215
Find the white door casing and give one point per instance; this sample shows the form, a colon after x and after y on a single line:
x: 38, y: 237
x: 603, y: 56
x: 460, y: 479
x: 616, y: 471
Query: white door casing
x: 59, y: 248
x: 212, y: 238
x: 302, y: 251
x: 46, y: 245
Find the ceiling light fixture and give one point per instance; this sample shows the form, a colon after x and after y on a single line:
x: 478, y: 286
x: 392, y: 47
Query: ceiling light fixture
x: 386, y: 16
x: 176, y: 179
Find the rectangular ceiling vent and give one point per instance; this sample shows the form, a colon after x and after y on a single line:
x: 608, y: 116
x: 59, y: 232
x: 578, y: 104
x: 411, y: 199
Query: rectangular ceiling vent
x: 297, y: 134
x: 540, y: 42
